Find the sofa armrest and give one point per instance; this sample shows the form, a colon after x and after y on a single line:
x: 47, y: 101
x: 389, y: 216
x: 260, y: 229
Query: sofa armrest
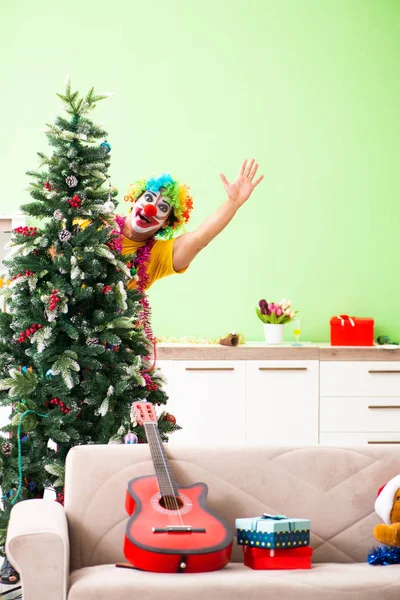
x: 38, y: 547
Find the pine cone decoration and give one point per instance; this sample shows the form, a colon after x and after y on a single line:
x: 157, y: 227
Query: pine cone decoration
x: 7, y: 447
x: 71, y: 181
x: 57, y: 214
x: 65, y: 235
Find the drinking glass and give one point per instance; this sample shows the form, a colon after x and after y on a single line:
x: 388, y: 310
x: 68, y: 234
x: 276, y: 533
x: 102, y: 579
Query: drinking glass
x: 296, y: 326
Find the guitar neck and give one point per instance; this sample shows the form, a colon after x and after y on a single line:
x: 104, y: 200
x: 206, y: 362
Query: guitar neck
x: 166, y: 481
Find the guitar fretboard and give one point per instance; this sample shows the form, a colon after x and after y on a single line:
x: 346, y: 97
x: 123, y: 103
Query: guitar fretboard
x: 166, y: 481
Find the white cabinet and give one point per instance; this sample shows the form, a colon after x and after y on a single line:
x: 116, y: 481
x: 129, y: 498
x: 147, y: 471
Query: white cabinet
x: 208, y: 402
x: 360, y: 378
x: 360, y: 414
x: 359, y: 402
x: 282, y: 402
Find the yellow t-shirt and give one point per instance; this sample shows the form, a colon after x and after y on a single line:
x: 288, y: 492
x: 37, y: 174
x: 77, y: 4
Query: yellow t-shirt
x: 160, y: 263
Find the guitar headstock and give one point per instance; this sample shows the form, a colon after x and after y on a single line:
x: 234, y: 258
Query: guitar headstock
x: 143, y: 412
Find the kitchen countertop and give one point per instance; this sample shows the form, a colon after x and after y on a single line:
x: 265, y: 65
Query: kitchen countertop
x: 286, y: 351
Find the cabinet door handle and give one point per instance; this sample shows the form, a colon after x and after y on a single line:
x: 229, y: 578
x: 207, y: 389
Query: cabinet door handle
x: 282, y: 368
x: 396, y: 442
x: 209, y: 368
x: 384, y: 371
x: 380, y: 406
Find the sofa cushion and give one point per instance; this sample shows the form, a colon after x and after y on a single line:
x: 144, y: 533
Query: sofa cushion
x: 325, y: 581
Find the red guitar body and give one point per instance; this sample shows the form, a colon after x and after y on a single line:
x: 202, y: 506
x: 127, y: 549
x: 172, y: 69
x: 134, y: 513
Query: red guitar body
x: 150, y: 547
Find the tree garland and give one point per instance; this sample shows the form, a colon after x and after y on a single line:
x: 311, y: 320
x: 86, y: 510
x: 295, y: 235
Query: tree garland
x: 20, y: 471
x: 141, y: 261
x: 384, y: 555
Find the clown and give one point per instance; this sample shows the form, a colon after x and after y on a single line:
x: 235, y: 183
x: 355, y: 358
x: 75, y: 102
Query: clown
x: 160, y: 209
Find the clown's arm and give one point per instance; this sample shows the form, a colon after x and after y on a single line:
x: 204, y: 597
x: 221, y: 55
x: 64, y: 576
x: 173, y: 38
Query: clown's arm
x: 188, y: 245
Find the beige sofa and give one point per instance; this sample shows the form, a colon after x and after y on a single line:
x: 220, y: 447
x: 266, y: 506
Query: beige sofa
x: 70, y: 553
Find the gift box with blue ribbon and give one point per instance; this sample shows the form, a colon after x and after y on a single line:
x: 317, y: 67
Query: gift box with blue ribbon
x: 273, y: 531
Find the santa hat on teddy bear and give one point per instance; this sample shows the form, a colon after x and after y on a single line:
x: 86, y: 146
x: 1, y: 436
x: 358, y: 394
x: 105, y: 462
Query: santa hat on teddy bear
x: 385, y: 499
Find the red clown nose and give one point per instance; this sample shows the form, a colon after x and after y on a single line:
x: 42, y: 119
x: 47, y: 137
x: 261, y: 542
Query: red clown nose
x: 150, y: 210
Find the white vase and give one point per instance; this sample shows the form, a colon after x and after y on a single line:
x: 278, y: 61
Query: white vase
x: 273, y: 333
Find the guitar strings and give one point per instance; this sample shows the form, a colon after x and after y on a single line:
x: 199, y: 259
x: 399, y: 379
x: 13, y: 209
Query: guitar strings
x: 171, y: 501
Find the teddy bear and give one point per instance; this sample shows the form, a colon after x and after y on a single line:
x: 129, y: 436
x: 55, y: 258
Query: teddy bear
x: 387, y: 506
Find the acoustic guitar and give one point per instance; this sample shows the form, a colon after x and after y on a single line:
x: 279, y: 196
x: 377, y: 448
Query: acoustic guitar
x: 171, y: 528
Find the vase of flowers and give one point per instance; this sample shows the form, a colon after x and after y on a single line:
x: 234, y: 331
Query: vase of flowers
x: 275, y: 316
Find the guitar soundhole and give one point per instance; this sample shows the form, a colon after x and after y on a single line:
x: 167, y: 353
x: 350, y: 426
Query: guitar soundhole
x: 171, y: 502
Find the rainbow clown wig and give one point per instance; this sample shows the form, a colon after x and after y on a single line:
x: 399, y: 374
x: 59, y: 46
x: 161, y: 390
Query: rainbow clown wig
x: 177, y: 194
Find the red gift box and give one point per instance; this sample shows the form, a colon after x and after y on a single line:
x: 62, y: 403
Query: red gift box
x: 289, y: 558
x: 351, y: 331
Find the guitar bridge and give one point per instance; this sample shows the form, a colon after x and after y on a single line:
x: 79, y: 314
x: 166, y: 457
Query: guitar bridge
x: 179, y: 529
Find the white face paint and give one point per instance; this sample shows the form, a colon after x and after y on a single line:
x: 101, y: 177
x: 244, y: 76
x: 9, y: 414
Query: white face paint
x: 145, y: 223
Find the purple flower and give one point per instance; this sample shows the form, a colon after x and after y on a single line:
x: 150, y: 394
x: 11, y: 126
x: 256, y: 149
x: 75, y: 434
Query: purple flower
x: 263, y: 306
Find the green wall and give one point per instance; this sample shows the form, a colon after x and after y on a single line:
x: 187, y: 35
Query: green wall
x: 309, y: 87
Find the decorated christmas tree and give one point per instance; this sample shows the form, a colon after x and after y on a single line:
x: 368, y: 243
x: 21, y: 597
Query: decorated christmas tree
x: 74, y: 353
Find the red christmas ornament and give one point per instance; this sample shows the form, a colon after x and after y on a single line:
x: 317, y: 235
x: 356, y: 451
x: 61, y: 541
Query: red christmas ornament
x: 107, y: 289
x: 170, y: 418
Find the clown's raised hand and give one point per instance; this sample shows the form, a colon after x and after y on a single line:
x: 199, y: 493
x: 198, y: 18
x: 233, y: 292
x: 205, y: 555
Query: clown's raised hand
x: 188, y: 245
x: 241, y: 189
